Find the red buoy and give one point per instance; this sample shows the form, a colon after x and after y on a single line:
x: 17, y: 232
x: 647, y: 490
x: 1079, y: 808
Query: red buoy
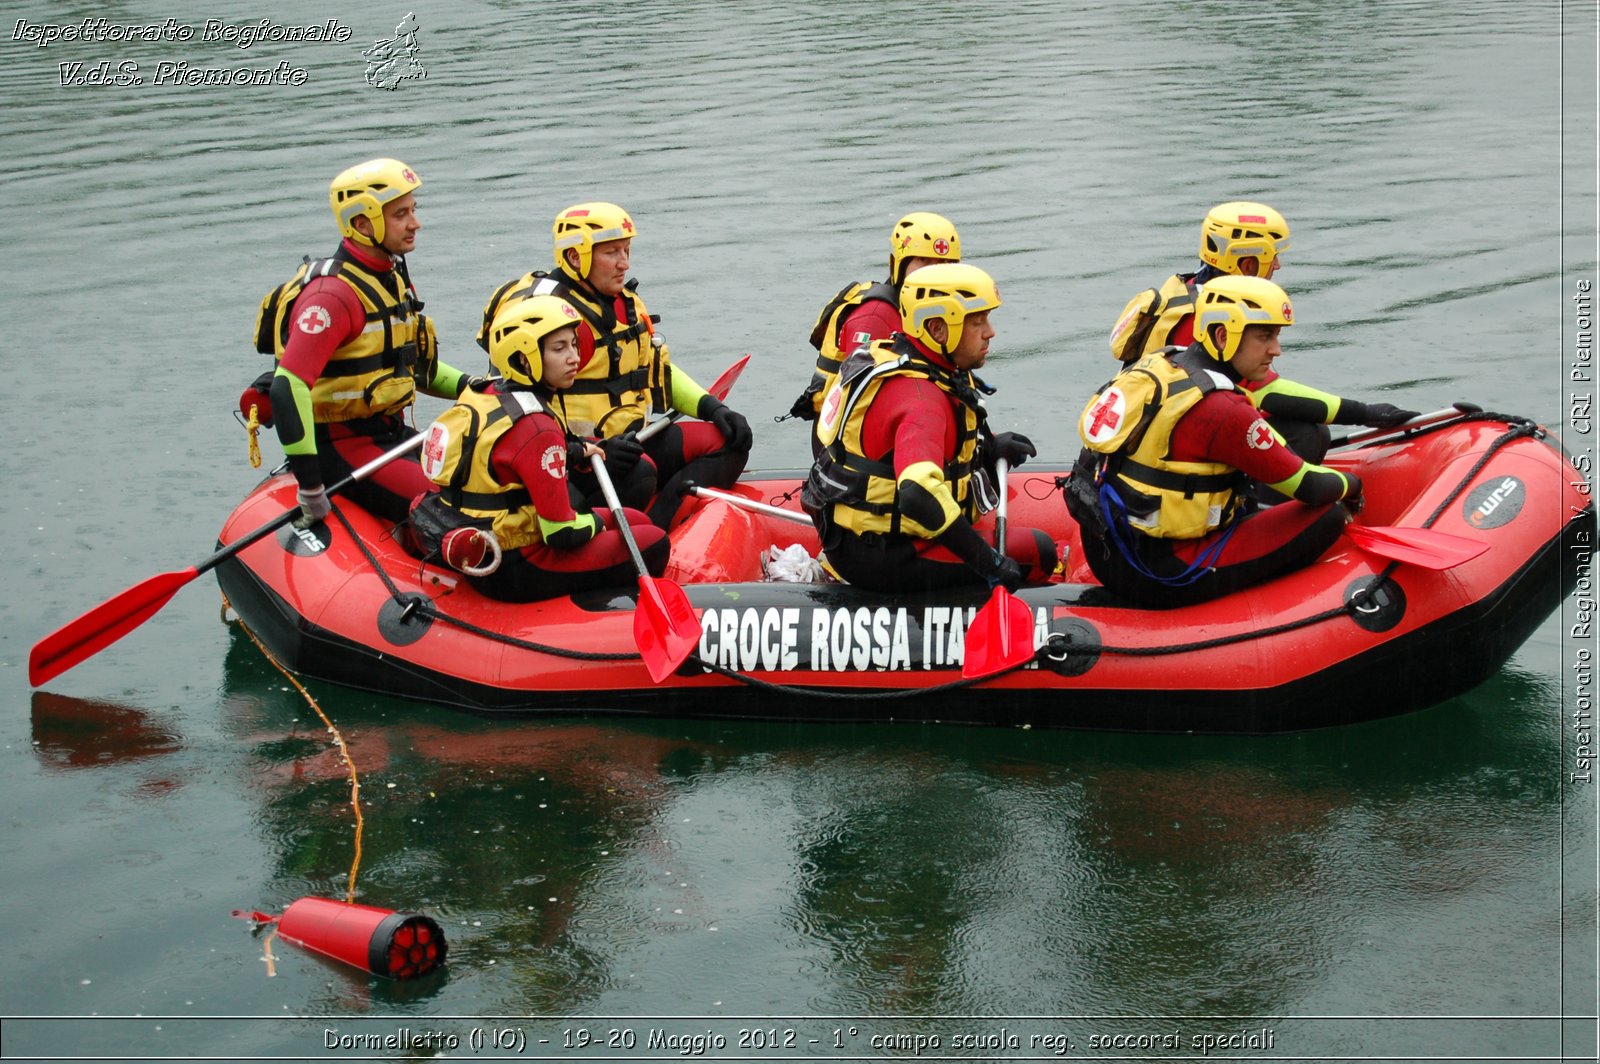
x: 380, y: 941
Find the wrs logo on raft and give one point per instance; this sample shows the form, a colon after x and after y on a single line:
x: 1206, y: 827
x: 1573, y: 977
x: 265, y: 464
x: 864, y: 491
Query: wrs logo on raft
x: 1494, y: 503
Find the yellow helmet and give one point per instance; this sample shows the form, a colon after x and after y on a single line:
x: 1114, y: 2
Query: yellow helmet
x: 1239, y: 234
x: 584, y: 225
x: 1235, y: 302
x: 922, y: 235
x: 364, y: 189
x: 519, y: 328
x: 948, y: 291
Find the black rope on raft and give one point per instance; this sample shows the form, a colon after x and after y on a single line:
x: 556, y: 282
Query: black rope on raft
x: 410, y: 606
x: 1057, y: 646
x: 1520, y: 427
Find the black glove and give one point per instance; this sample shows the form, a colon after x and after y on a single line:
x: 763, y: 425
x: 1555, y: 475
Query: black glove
x: 577, y: 453
x: 1375, y: 415
x: 1014, y: 447
x: 622, y: 453
x: 1356, y: 499
x: 1386, y: 415
x: 804, y: 407
x: 962, y: 540
x: 1007, y: 573
x: 734, y: 428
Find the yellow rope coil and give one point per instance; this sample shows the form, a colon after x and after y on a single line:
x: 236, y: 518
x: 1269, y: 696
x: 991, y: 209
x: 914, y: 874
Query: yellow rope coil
x: 253, y: 426
x: 344, y: 751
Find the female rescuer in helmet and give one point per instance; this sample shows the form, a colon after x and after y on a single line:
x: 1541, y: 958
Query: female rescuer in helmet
x: 1161, y: 490
x: 1243, y: 239
x: 896, y: 494
x: 626, y: 368
x: 500, y: 458
x: 354, y: 348
x: 866, y: 311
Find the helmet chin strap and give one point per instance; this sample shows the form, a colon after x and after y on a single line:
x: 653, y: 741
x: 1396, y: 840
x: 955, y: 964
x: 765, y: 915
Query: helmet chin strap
x: 369, y: 240
x: 582, y: 282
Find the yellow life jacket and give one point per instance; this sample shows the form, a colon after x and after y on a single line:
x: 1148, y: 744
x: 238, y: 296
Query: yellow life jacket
x: 377, y: 372
x: 859, y: 493
x: 825, y: 333
x: 618, y: 391
x: 456, y: 456
x: 1146, y: 324
x: 1130, y: 423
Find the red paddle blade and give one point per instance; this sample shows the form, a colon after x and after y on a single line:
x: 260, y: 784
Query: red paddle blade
x: 1418, y: 546
x: 724, y: 384
x: 103, y: 625
x: 665, y: 627
x: 1000, y: 636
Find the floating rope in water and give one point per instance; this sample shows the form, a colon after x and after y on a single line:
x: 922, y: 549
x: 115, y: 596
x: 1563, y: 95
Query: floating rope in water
x: 338, y: 738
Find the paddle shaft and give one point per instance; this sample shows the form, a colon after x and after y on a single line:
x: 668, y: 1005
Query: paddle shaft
x: 87, y: 635
x: 609, y: 490
x: 289, y: 515
x: 750, y: 504
x: 1002, y: 473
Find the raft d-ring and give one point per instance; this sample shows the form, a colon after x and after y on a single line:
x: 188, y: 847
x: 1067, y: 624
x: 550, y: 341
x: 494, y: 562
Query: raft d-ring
x: 1057, y: 640
x: 1071, y: 648
x: 1376, y: 603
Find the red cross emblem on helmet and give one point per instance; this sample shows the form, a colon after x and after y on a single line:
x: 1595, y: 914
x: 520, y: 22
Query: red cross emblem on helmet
x: 942, y: 246
x: 627, y: 225
x: 407, y: 174
x: 1288, y: 312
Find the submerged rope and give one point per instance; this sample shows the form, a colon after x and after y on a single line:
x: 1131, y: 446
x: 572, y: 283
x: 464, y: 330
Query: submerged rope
x: 338, y: 738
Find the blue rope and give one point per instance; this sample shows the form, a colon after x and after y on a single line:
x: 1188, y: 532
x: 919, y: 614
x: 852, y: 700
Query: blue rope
x: 1116, y: 514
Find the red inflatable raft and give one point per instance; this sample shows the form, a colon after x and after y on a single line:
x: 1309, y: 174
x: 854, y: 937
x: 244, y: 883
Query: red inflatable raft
x: 345, y: 603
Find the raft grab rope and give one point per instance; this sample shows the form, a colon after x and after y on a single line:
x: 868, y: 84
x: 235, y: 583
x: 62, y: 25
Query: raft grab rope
x: 1057, y: 647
